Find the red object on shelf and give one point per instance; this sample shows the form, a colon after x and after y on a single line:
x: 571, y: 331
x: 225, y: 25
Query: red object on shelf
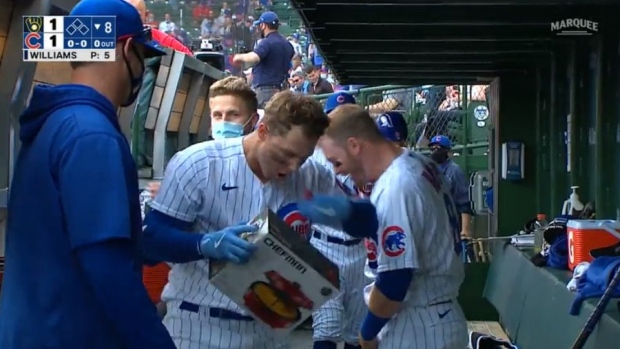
x: 154, y: 279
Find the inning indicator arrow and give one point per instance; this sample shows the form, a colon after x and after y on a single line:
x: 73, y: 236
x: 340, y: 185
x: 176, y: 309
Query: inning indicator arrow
x: 97, y: 25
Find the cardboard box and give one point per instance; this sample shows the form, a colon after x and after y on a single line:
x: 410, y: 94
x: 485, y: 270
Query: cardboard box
x: 285, y: 281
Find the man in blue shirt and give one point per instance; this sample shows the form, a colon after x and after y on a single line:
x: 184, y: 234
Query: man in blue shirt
x: 72, y: 277
x: 440, y: 153
x: 271, y: 57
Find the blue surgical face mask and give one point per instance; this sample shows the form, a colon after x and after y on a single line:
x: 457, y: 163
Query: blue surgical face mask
x: 226, y: 129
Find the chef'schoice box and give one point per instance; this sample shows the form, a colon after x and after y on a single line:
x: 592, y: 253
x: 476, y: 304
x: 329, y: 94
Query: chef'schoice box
x: 285, y: 281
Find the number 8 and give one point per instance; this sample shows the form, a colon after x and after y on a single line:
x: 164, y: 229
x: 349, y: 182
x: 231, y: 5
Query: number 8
x: 108, y: 27
x: 453, y: 218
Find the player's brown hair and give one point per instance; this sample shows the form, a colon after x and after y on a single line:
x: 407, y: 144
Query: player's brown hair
x: 351, y: 120
x: 235, y: 86
x: 287, y: 109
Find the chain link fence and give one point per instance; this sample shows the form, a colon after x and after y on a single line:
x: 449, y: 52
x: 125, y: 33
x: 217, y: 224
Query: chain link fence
x: 459, y: 111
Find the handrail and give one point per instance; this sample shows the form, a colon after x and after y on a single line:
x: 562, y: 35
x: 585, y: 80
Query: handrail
x: 475, y: 145
x: 363, y: 90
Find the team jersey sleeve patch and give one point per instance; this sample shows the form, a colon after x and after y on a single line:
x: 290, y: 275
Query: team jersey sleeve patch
x: 400, y: 216
x: 393, y: 241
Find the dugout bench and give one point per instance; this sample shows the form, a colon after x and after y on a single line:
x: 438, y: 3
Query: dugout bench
x: 533, y: 303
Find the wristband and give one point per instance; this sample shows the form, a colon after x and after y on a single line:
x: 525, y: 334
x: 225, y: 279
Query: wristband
x: 372, y: 325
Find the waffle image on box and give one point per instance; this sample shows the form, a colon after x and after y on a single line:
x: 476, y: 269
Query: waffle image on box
x: 285, y: 281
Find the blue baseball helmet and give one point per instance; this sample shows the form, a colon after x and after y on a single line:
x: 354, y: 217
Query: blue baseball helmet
x: 337, y: 99
x: 393, y: 126
x: 442, y: 141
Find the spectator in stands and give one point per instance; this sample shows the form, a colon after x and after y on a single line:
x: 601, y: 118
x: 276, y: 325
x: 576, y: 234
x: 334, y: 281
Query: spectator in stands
x: 201, y: 11
x: 150, y: 20
x: 227, y: 30
x: 266, y: 3
x: 477, y: 93
x: 299, y: 83
x: 167, y: 25
x: 295, y: 42
x: 162, y: 38
x: 318, y: 85
x: 400, y: 100
x: 206, y: 28
x: 443, y: 106
x: 452, y: 101
x: 272, y: 57
x: 311, y: 50
x: 296, y: 66
x: 244, y: 34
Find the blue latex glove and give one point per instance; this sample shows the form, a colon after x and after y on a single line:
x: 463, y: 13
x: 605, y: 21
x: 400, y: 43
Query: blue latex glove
x: 326, y: 210
x: 226, y: 244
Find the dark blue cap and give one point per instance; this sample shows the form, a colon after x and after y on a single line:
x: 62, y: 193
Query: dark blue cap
x: 392, y: 126
x: 337, y: 99
x: 267, y: 18
x: 442, y: 141
x: 128, y: 21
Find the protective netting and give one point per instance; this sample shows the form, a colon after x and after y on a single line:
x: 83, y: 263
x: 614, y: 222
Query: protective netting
x: 458, y: 111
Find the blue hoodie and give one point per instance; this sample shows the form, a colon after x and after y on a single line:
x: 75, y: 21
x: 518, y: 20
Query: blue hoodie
x: 73, y: 224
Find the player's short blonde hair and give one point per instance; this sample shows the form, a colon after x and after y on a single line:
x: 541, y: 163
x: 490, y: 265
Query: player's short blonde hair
x: 287, y: 109
x: 235, y: 86
x: 351, y: 120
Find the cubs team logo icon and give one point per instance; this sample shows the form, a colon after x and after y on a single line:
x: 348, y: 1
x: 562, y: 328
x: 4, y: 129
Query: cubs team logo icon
x: 367, y: 189
x: 393, y: 241
x: 299, y: 223
x: 481, y: 112
x: 340, y: 99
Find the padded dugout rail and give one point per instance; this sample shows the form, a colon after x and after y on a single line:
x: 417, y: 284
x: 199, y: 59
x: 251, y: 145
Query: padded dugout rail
x: 171, y: 111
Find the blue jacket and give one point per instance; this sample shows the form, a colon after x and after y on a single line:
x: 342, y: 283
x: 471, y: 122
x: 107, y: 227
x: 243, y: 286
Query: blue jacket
x: 595, y: 280
x: 75, y: 188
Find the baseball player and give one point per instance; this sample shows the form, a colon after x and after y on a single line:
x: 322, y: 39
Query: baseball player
x: 214, y: 185
x: 339, y: 319
x: 234, y: 112
x: 412, y: 302
x: 72, y: 275
x: 393, y: 127
x: 233, y: 108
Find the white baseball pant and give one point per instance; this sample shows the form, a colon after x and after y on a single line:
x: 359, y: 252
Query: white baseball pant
x: 439, y: 326
x: 341, y: 317
x: 198, y: 330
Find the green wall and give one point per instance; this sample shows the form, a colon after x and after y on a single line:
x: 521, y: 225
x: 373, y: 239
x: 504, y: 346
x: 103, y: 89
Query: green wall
x: 581, y: 79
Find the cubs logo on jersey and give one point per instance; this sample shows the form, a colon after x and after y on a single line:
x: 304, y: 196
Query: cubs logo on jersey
x: 367, y: 189
x: 371, y: 253
x: 393, y: 241
x: 290, y: 214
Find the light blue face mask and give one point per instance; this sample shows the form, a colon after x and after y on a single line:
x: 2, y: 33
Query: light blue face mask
x: 226, y: 129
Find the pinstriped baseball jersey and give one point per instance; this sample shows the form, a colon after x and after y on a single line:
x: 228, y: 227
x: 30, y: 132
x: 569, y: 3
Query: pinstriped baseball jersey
x: 319, y: 157
x: 340, y: 318
x: 211, y: 185
x: 417, y: 228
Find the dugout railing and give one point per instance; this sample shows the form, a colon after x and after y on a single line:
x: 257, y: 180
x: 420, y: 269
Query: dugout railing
x: 459, y: 112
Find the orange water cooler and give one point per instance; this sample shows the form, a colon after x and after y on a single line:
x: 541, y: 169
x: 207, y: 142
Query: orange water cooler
x: 154, y: 279
x: 587, y: 235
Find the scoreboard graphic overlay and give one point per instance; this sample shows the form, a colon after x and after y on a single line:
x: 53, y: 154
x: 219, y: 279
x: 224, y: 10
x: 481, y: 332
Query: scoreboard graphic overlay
x: 69, y: 38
